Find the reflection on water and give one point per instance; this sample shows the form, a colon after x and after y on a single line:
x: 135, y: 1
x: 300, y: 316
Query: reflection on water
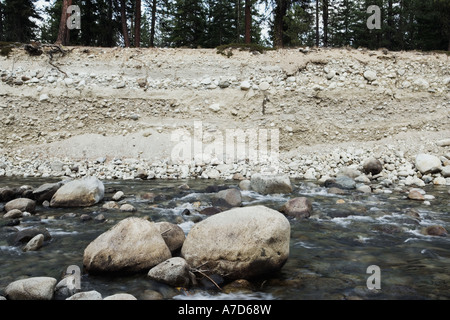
x: 329, y: 252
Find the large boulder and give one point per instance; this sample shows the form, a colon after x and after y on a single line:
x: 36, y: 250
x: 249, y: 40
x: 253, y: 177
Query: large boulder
x: 22, y: 204
x: 269, y: 184
x: 300, y: 207
x: 239, y: 243
x: 79, y: 193
x: 427, y: 163
x: 132, y: 245
x: 35, y: 288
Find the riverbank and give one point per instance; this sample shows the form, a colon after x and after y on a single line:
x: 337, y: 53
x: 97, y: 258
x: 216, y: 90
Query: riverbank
x: 120, y: 113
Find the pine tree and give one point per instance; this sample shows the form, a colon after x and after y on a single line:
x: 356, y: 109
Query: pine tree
x: 17, y: 25
x: 189, y: 24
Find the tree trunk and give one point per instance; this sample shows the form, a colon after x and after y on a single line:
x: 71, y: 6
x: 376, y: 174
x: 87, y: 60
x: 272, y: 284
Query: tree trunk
x: 137, y: 25
x: 63, y: 31
x: 390, y: 23
x: 238, y: 21
x: 124, y: 23
x: 325, y: 22
x: 248, y: 21
x: 280, y: 13
x: 153, y: 23
x: 317, y: 23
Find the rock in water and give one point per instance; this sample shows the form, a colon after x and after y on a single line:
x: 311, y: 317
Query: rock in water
x: 132, y: 245
x: 36, y: 288
x: 228, y: 198
x: 174, y: 272
x: 22, y: 204
x: 35, y: 243
x: 268, y: 184
x: 300, y: 207
x: 427, y: 163
x: 172, y: 234
x: 240, y: 243
x: 79, y: 193
x: 46, y: 191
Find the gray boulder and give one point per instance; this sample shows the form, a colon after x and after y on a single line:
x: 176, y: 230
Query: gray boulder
x: 79, y: 193
x: 269, y: 184
x: 22, y: 204
x: 132, y: 245
x: 36, y: 288
x: 239, y: 243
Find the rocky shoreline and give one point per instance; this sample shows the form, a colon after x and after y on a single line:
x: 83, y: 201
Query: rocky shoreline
x: 394, y: 168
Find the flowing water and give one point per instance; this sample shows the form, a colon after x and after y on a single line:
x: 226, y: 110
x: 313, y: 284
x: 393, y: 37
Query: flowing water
x: 329, y: 253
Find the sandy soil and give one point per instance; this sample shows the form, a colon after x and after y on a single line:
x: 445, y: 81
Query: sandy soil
x: 127, y: 103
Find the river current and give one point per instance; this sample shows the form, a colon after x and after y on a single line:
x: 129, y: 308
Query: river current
x: 330, y: 252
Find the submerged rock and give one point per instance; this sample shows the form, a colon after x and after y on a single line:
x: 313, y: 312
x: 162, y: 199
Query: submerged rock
x: 435, y: 230
x: 239, y: 243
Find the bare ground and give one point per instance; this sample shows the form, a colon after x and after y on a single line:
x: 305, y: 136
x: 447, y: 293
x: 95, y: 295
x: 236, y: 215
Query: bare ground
x: 161, y: 90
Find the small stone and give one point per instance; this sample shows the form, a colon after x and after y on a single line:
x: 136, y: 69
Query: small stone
x: 372, y: 166
x: 439, y: 181
x: 110, y: 205
x: 370, y: 75
x: 120, y: 296
x: 427, y: 163
x: 13, y: 214
x: 435, y: 230
x: 118, y: 195
x: 214, y: 107
x: 35, y: 243
x: 88, y: 295
x: 245, y: 85
x: 127, y: 208
x: 264, y: 86
x: 446, y: 172
x: 416, y: 195
x: 43, y: 97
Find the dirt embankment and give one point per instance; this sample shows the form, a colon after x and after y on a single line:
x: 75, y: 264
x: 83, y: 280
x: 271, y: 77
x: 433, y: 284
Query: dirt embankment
x: 127, y: 103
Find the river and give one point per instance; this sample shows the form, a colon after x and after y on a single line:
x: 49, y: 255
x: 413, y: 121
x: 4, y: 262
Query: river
x: 330, y: 252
